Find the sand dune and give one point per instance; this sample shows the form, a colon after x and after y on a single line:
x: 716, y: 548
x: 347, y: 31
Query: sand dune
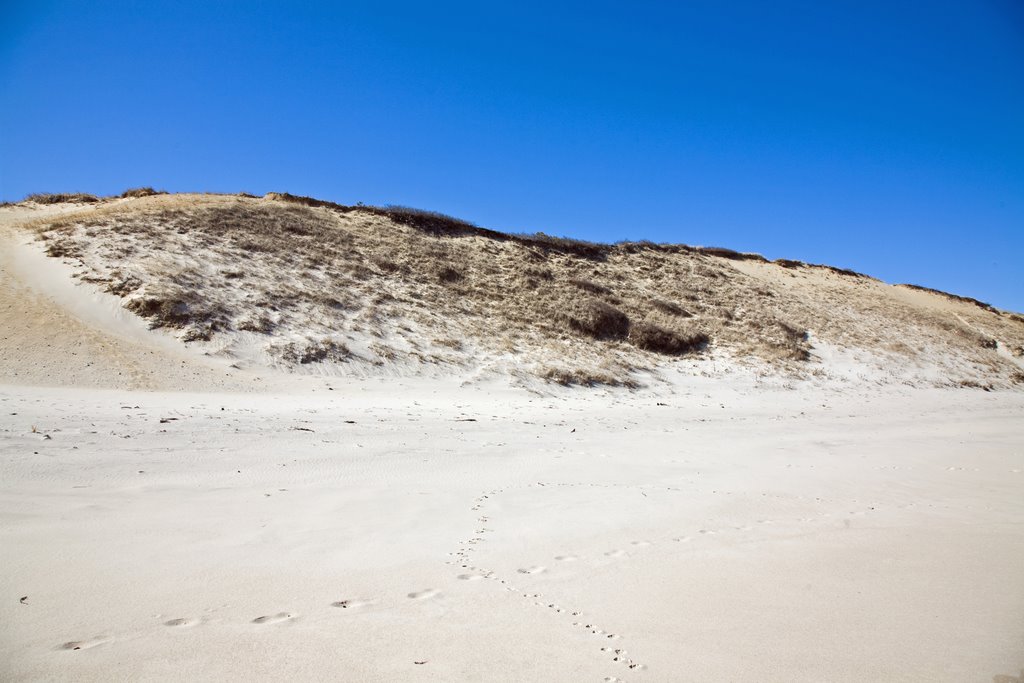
x: 207, y: 510
x: 306, y: 286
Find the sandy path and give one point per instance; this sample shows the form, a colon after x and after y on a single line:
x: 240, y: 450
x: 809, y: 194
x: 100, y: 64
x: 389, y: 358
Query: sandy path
x: 57, y: 332
x: 735, y: 534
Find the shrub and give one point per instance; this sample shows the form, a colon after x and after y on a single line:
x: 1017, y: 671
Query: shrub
x: 586, y: 378
x: 670, y: 308
x: 256, y: 323
x: 62, y: 198
x: 449, y: 275
x: 123, y: 285
x: 177, y: 310
x: 789, y: 263
x: 313, y: 352
x: 651, y: 337
x: 842, y: 271
x: 953, y: 297
x: 201, y: 332
x: 304, y: 201
x: 534, y: 273
x: 794, y: 342
x: 566, y: 245
x: 63, y: 247
x: 429, y: 221
x: 597, y: 319
x: 588, y: 286
x: 141, y: 192
x: 731, y: 254
x: 387, y: 265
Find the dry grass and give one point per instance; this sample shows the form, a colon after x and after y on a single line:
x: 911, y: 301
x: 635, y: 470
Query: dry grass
x: 323, y: 282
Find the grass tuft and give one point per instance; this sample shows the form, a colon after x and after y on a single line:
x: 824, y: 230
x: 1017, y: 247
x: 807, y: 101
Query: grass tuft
x: 651, y: 337
x: 597, y: 319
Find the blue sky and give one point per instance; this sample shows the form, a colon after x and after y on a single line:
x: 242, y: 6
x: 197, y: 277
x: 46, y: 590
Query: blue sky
x: 887, y: 137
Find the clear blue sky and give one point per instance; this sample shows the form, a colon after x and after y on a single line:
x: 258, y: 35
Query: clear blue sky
x: 887, y: 137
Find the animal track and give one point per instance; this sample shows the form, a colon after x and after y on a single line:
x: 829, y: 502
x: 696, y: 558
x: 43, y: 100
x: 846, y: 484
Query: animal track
x: 424, y: 594
x: 84, y: 644
x: 461, y: 556
x: 537, y: 599
x: 183, y: 621
x: 273, y: 618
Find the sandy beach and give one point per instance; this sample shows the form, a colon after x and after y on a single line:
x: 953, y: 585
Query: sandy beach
x: 429, y: 532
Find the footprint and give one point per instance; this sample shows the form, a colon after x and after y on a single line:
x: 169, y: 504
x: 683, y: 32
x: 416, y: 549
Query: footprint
x: 469, y: 577
x: 614, y: 553
x: 532, y: 570
x: 424, y: 594
x: 273, y: 618
x: 184, y: 621
x: 566, y: 558
x: 350, y: 604
x: 84, y: 644
x: 641, y: 543
x: 682, y: 539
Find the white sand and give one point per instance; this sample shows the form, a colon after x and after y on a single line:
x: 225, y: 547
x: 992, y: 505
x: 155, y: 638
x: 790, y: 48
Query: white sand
x: 399, y: 529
